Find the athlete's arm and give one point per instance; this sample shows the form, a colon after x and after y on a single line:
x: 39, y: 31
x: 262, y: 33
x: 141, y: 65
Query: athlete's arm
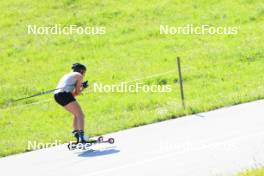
x: 78, y: 87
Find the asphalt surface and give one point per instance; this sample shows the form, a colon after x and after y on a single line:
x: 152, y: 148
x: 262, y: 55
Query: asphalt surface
x: 219, y: 142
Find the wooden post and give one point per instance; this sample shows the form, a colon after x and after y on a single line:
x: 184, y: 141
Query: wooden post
x: 181, y: 84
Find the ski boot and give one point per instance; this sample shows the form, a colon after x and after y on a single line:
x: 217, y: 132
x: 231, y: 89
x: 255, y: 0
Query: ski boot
x: 82, y: 137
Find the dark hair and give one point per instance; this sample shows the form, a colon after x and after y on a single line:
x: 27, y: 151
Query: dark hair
x: 77, y: 67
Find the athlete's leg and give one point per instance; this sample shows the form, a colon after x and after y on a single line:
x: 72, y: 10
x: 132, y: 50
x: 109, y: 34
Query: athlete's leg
x: 77, y: 112
x: 75, y: 123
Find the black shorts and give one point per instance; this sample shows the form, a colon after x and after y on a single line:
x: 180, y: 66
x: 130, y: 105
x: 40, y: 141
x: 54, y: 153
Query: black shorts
x: 64, y: 98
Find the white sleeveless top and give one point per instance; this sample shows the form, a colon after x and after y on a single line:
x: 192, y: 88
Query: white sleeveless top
x: 67, y: 83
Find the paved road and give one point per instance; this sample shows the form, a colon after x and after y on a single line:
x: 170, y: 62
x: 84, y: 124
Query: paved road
x: 220, y: 142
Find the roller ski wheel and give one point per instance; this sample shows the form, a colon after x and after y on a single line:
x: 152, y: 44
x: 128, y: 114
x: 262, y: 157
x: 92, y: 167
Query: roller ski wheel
x: 70, y: 146
x: 109, y: 140
x: 100, y: 139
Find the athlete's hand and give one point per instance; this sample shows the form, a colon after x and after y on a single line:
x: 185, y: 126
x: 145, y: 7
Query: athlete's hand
x: 85, y: 84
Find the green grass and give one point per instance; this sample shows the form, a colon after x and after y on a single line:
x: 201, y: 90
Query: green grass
x: 253, y: 172
x: 218, y: 70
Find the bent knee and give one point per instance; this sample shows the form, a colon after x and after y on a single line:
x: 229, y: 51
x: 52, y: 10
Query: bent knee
x: 79, y: 115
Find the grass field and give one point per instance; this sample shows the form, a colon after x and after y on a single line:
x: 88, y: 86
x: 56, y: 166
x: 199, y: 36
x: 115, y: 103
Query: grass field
x: 218, y: 70
x: 253, y: 172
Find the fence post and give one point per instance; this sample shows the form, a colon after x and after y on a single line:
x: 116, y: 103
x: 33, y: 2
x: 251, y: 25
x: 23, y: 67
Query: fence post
x: 181, y: 84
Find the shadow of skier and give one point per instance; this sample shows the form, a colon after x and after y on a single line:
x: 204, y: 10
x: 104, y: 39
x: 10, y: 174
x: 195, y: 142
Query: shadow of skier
x: 101, y: 152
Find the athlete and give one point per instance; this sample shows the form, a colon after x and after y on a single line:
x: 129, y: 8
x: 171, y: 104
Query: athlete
x: 70, y: 86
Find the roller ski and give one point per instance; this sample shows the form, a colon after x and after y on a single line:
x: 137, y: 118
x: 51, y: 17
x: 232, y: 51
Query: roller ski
x: 84, y: 142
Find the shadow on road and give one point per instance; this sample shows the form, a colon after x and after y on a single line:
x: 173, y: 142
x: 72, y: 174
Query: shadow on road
x: 101, y: 152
